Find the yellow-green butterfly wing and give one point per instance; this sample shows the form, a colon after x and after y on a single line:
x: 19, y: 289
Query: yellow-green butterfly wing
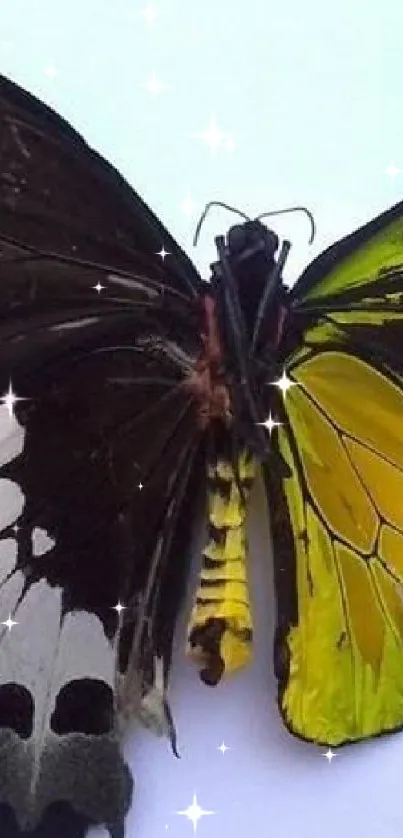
x: 338, y: 520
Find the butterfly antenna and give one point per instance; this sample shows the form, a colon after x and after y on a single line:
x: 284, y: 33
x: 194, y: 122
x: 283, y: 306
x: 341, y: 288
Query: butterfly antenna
x: 293, y: 209
x: 206, y: 210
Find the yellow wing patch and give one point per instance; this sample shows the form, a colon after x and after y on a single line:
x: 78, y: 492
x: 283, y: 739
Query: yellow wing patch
x: 365, y: 263
x: 345, y: 677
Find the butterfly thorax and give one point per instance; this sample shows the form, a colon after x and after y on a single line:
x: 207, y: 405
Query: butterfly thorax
x: 240, y: 334
x: 207, y: 382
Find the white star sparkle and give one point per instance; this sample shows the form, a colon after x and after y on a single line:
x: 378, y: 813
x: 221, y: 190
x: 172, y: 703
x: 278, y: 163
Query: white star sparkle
x: 119, y: 608
x: 284, y: 383
x: 140, y: 486
x: 9, y: 623
x: 213, y: 136
x: 392, y: 170
x: 98, y: 287
x: 228, y: 142
x: 9, y: 400
x: 329, y: 755
x: 188, y: 206
x: 149, y: 13
x: 154, y: 85
x: 163, y: 253
x: 223, y: 747
x: 270, y: 424
x: 194, y: 812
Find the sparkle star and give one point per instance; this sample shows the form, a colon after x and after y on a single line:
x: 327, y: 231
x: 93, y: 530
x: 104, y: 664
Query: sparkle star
x: 188, y: 206
x: 223, y: 747
x: 194, y: 812
x: 228, y: 142
x: 149, y: 13
x: 212, y: 136
x: 140, y: 486
x: 284, y: 383
x: 163, y: 253
x: 270, y: 424
x: 392, y: 170
x: 98, y: 287
x: 9, y: 623
x: 9, y: 400
x: 329, y: 755
x: 154, y: 85
x: 119, y: 608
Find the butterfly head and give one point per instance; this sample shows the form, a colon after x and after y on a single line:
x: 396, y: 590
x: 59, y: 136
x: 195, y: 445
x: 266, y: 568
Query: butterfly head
x: 250, y: 239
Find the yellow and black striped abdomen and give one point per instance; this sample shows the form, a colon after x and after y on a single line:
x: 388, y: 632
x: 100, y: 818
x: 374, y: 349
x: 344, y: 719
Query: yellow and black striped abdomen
x: 220, y: 628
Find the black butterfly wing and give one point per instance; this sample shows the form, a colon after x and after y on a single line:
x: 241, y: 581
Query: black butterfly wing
x: 58, y: 195
x: 97, y: 463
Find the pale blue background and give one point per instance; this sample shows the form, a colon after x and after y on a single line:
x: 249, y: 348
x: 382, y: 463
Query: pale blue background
x: 311, y: 94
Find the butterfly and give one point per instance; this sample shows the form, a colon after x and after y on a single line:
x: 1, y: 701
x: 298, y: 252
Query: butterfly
x: 130, y: 386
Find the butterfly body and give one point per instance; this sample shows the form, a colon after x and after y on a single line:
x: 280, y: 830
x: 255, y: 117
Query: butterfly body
x: 139, y: 384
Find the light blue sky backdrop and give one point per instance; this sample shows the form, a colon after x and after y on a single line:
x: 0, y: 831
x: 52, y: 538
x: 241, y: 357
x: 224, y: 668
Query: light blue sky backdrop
x: 308, y: 96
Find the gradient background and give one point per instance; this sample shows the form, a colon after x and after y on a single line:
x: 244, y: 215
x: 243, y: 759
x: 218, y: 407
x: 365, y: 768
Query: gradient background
x: 308, y: 100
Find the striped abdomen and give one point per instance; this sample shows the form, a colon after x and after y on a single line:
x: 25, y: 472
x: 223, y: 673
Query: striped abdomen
x: 220, y: 628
